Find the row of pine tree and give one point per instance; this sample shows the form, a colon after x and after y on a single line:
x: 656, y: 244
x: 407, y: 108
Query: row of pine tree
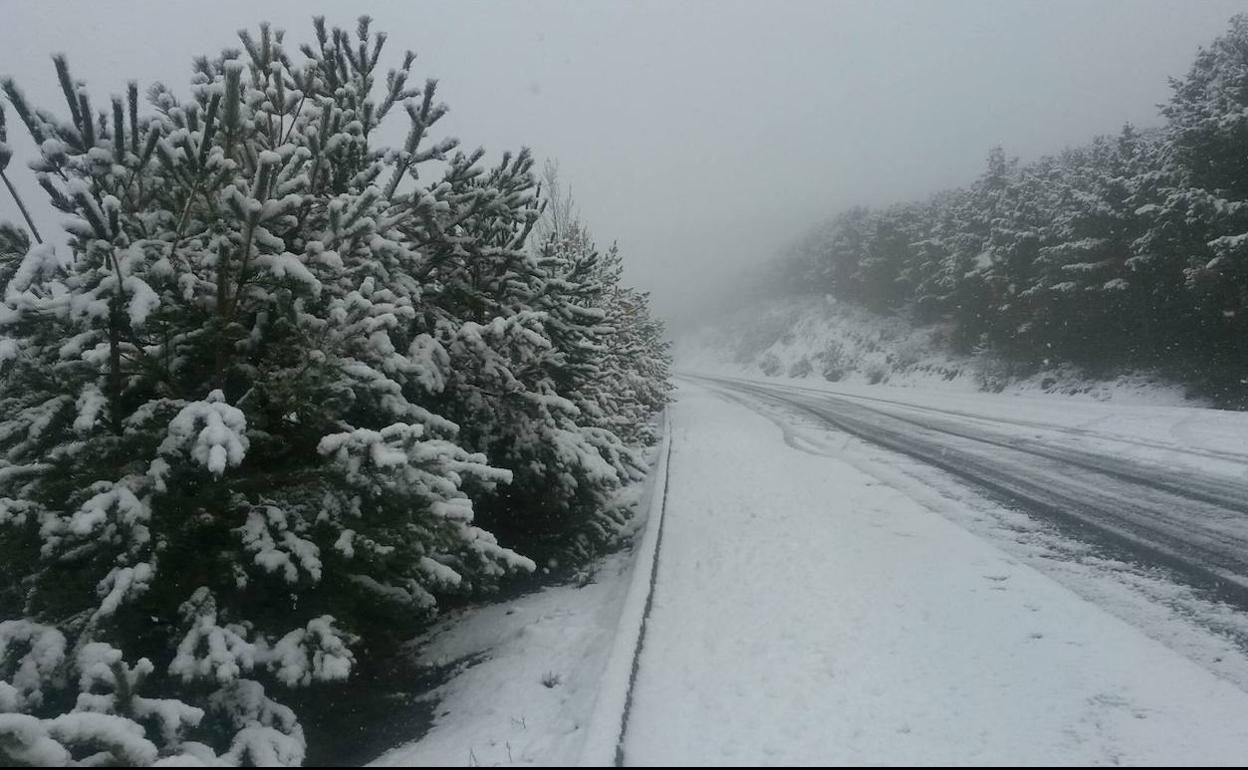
x: 278, y: 392
x: 1128, y: 252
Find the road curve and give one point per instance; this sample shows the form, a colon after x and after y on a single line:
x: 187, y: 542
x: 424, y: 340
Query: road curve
x: 1190, y: 522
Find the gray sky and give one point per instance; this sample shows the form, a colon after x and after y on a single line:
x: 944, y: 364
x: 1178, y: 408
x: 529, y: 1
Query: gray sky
x: 701, y: 135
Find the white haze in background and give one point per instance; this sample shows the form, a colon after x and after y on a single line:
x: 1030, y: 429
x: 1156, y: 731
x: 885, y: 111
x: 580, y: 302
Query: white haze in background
x: 701, y: 135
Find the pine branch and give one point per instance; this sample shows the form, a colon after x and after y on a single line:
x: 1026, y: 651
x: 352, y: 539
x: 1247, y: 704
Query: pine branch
x: 21, y: 207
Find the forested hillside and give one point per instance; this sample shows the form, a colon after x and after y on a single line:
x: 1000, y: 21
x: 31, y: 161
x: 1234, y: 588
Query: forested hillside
x: 1128, y: 252
x: 277, y: 392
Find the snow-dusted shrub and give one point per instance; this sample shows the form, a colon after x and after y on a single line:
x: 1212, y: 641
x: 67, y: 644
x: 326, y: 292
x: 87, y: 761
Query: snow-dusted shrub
x: 891, y: 330
x: 248, y: 419
x: 833, y: 362
x: 909, y: 352
x: 875, y: 368
x: 992, y: 372
x: 770, y: 364
x: 801, y: 367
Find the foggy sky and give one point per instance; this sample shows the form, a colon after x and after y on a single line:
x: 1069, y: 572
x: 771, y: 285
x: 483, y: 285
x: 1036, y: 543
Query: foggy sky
x: 701, y: 135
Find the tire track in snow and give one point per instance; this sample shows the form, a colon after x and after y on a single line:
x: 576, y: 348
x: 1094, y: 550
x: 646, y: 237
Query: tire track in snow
x: 1180, y: 431
x: 1204, y: 541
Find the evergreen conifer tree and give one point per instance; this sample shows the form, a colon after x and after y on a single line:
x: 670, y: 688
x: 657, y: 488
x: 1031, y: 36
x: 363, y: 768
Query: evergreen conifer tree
x: 250, y: 421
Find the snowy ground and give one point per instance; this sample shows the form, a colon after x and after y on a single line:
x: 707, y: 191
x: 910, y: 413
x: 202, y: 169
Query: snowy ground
x: 819, y: 600
x: 527, y: 679
x: 808, y: 613
x: 541, y: 679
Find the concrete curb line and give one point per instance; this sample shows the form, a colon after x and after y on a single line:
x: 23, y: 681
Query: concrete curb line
x: 604, y: 744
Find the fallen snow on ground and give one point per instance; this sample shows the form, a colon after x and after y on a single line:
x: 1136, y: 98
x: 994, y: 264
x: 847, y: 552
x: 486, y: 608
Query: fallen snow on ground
x: 527, y: 672
x: 808, y: 613
x: 540, y: 679
x: 820, y: 600
x: 1189, y: 620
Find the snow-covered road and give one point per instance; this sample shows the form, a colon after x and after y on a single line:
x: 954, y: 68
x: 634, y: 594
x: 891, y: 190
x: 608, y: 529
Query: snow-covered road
x: 1178, y: 514
x: 820, y: 600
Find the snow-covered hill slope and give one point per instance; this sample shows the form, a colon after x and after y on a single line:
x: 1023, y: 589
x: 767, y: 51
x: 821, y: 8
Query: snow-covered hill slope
x: 821, y: 339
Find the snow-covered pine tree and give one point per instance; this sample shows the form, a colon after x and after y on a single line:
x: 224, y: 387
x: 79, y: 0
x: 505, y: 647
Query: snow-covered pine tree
x: 983, y: 254
x: 1129, y: 251
x: 1200, y: 220
x: 218, y: 464
x: 618, y: 360
x: 574, y: 297
x: 635, y: 368
x: 805, y: 266
x: 931, y: 272
x: 14, y: 241
x: 492, y: 363
x: 1084, y: 298
x: 525, y: 378
x: 884, y: 271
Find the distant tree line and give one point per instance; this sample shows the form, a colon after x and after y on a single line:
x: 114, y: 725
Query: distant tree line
x: 1130, y: 251
x: 279, y: 392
